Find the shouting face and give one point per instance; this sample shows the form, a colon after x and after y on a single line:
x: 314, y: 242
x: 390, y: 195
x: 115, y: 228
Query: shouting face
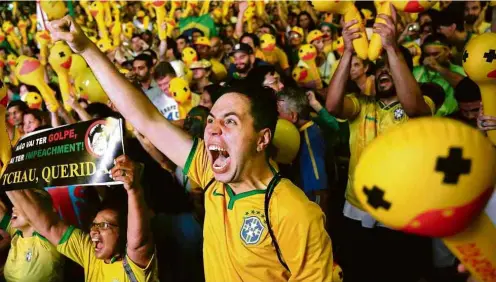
x: 105, y: 234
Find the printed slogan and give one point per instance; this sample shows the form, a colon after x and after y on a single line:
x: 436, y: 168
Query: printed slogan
x: 78, y: 154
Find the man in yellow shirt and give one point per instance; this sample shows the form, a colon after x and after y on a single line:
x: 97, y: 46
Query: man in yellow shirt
x: 372, y: 253
x: 118, y: 247
x: 241, y: 188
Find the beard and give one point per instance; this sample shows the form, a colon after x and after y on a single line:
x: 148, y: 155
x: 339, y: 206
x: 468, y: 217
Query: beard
x: 245, y: 68
x: 143, y: 78
x: 470, y: 19
x: 381, y: 92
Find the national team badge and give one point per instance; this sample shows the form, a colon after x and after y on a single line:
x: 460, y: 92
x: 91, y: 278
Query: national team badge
x: 399, y: 113
x: 29, y: 255
x: 252, y: 229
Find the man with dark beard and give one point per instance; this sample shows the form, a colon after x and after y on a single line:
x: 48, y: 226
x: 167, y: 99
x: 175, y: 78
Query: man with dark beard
x: 474, y: 18
x: 398, y: 98
x: 142, y: 76
x: 244, y: 61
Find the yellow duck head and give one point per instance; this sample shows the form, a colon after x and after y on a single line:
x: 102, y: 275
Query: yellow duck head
x: 33, y: 100
x: 268, y: 42
x: 413, y: 6
x: 158, y: 4
x: 88, y: 87
x: 11, y: 60
x: 128, y: 30
x: 104, y: 44
x: 180, y: 91
x: 301, y: 74
x: 43, y: 37
x: 22, y: 24
x: 96, y: 9
x: 338, y: 45
x: 189, y: 55
x: 307, y: 52
x: 78, y: 65
x: 29, y: 70
x: 446, y: 185
x: 54, y: 9
x: 479, y: 58
x: 8, y: 27
x: 335, y: 6
x: 217, y: 15
x: 60, y: 57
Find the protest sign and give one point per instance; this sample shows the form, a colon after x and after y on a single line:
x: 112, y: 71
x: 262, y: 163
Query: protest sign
x: 77, y: 154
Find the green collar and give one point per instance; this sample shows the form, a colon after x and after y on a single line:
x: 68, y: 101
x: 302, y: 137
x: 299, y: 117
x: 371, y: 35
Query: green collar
x: 19, y: 233
x: 233, y: 197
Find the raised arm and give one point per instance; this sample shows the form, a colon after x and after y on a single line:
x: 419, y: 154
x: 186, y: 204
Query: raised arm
x: 336, y: 102
x: 238, y: 31
x: 139, y: 236
x: 407, y: 88
x: 130, y: 101
x: 41, y: 216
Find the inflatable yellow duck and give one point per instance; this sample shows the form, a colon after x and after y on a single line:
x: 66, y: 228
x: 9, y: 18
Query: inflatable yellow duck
x: 307, y: 53
x: 54, y: 9
x: 33, y: 100
x: 180, y: 91
x: 98, y: 12
x: 61, y: 59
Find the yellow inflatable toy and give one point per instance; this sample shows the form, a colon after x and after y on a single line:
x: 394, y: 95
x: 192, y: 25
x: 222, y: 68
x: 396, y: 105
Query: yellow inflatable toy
x: 30, y: 71
x: 413, y: 6
x: 34, y: 20
x: 188, y: 56
x: 78, y: 65
x: 301, y: 75
x: 54, y: 9
x: 128, y: 30
x: 190, y: 7
x: 180, y: 91
x: 61, y: 59
x: 12, y: 37
x: 11, y: 61
x: 338, y: 45
x: 337, y: 273
x: 98, y: 13
x: 108, y: 13
x: 23, y: 26
x: 5, y: 149
x: 160, y: 12
x: 44, y: 39
x: 479, y: 63
x: 33, y: 100
x: 249, y: 15
x: 307, y: 53
x: 88, y: 87
x: 286, y: 141
x: 350, y: 12
x: 86, y: 6
x: 442, y: 190
x: 104, y: 44
x: 174, y: 6
x: 116, y: 27
x: 269, y: 48
x: 375, y: 46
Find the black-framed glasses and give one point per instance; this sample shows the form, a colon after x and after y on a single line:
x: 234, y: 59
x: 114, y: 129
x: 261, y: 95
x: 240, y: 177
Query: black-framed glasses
x: 102, y: 225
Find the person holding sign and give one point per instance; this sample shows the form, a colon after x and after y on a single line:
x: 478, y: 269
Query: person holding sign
x: 118, y: 246
x: 242, y: 239
x: 31, y: 257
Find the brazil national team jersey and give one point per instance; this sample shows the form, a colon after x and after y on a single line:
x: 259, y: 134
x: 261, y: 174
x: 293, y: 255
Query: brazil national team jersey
x: 31, y: 259
x: 372, y: 118
x: 237, y: 245
x: 77, y: 245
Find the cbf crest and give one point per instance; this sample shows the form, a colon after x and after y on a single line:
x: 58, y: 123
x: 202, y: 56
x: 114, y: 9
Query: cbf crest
x: 253, y: 227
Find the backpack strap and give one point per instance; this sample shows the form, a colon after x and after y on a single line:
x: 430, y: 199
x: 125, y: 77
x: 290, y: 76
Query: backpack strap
x: 129, y: 272
x: 270, y: 189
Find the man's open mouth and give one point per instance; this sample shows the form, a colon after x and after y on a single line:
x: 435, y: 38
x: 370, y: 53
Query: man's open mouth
x: 220, y: 158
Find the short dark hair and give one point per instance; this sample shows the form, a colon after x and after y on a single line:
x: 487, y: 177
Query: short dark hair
x: 435, y: 37
x: 163, y: 69
x: 453, y: 14
x: 100, y: 110
x: 214, y: 91
x: 263, y: 104
x: 270, y: 27
x: 23, y: 107
x: 433, y: 91
x: 37, y: 114
x: 258, y: 75
x: 467, y: 91
x: 146, y: 58
x: 297, y: 100
x: 253, y: 36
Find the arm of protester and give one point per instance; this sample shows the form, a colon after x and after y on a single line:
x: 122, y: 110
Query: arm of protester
x: 323, y: 115
x: 129, y: 101
x: 68, y: 118
x: 39, y: 214
x: 80, y: 111
x: 453, y: 78
x: 140, y: 247
x: 157, y: 156
x: 281, y: 14
x: 162, y: 47
x: 407, y: 88
x: 336, y: 102
x: 238, y: 31
x: 484, y: 122
x: 305, y: 245
x: 55, y: 120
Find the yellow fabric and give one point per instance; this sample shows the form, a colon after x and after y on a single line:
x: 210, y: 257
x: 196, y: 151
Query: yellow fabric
x: 219, y: 72
x: 416, y: 58
x: 372, y: 118
x: 369, y: 86
x: 195, y: 99
x: 79, y: 248
x: 32, y: 259
x: 16, y: 137
x: 298, y: 225
x: 277, y: 56
x: 328, y: 48
x: 259, y: 54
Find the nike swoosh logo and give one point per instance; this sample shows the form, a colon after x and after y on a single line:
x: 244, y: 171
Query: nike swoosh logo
x: 218, y: 194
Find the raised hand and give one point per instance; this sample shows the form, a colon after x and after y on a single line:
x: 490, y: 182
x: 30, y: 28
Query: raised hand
x: 66, y: 29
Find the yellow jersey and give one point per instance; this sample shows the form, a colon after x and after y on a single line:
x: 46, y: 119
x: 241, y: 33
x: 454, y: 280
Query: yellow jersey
x: 237, y: 246
x: 371, y: 118
x: 219, y: 72
x: 77, y: 245
x: 277, y: 56
x: 31, y: 259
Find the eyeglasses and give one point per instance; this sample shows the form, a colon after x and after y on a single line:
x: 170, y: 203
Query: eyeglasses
x: 101, y: 225
x: 295, y: 35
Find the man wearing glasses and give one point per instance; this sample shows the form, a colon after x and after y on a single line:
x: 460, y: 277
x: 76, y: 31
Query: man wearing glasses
x: 111, y: 251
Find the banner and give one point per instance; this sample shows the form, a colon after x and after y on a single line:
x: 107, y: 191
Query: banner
x: 77, y: 154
